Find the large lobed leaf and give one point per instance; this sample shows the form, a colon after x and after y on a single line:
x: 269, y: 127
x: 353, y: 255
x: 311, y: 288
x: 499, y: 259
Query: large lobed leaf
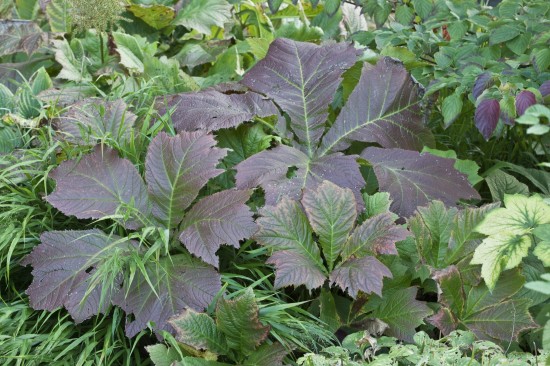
x: 178, y: 282
x: 176, y: 168
x: 302, y: 79
x: 211, y: 110
x: 19, y: 36
x: 414, y: 179
x: 63, y: 266
x: 221, y: 218
x: 98, y: 185
x: 385, y: 107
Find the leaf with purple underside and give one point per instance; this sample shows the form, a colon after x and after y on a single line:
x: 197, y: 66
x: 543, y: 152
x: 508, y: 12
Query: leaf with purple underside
x: 545, y: 88
x: 180, y: 282
x: 482, y: 82
x: 176, y: 168
x: 302, y: 79
x: 486, y: 117
x: 98, y: 185
x: 221, y: 218
x: 524, y: 100
x: 414, y: 179
x: 211, y: 110
x: 64, y: 264
x: 385, y: 108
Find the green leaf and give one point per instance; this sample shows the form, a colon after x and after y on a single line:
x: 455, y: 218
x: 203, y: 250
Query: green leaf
x: 41, y: 81
x: 328, y: 311
x: 6, y: 100
x: 423, y: 7
x: 542, y: 249
x: 27, y: 9
x: 199, y: 331
x: 59, y: 18
x: 202, y: 15
x: 157, y: 16
x: 519, y: 44
x: 457, y: 29
x: 452, y: 106
x: 501, y: 183
x: 500, y: 252
x: 267, y: 354
x: 520, y: 216
x: 332, y: 212
x: 503, y: 33
x: 130, y: 51
x: 376, y: 204
x: 468, y: 167
x: 243, y: 142
x: 72, y: 60
x: 404, y: 14
x: 542, y: 59
x: 402, y: 312
x: 162, y: 355
x: 238, y: 319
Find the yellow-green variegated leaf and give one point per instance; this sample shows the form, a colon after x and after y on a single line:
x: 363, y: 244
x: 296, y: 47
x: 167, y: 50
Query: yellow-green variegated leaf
x: 521, y: 215
x: 500, y: 252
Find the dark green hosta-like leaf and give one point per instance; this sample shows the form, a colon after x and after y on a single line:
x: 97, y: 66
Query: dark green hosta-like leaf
x: 64, y: 264
x: 391, y: 117
x: 93, y: 118
x: 176, y: 168
x: 212, y: 110
x: 98, y: 185
x: 19, y: 36
x: 414, y: 179
x: 238, y: 320
x: 302, y: 79
x: 179, y: 282
x: 221, y: 218
x: 286, y: 230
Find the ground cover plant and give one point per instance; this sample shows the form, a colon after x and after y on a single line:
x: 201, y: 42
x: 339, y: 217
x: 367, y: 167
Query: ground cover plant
x: 266, y: 183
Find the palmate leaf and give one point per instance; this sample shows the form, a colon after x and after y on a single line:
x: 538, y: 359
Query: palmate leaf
x: 19, y: 36
x: 63, y: 266
x: 212, y: 110
x: 176, y: 168
x: 93, y: 118
x: 302, y: 79
x: 98, y: 185
x: 179, y: 282
x: 285, y: 229
x: 392, y: 117
x: 238, y: 319
x: 221, y: 218
x: 414, y: 179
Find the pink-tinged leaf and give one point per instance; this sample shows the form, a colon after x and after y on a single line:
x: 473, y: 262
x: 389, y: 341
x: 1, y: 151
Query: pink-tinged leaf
x: 331, y: 211
x: 376, y: 235
x: 482, y: 82
x: 295, y: 269
x: 63, y: 265
x: 486, y: 117
x: 98, y: 185
x: 360, y: 274
x: 297, y: 258
x: 210, y: 110
x: 269, y: 169
x: 414, y: 179
x: 444, y: 321
x: 176, y: 168
x: 302, y: 79
x: 91, y: 119
x: 179, y: 282
x: 545, y: 88
x: 524, y: 100
x: 385, y: 108
x: 221, y: 218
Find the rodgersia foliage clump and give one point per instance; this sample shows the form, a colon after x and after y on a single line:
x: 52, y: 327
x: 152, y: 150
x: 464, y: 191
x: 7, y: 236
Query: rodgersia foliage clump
x: 100, y: 14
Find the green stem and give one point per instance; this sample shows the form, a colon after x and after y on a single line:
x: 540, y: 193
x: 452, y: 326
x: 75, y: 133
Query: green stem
x: 101, y: 51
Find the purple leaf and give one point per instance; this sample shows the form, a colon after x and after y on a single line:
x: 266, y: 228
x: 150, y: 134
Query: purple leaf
x: 545, y: 88
x: 414, y: 179
x: 210, y: 110
x: 482, y: 82
x: 376, y: 235
x: 98, y: 185
x: 443, y: 320
x: 486, y: 117
x: 385, y: 108
x: 360, y: 274
x: 179, y: 282
x: 302, y: 79
x: 176, y: 168
x: 221, y: 218
x: 524, y: 100
x: 63, y: 266
x: 93, y: 118
x: 269, y: 170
